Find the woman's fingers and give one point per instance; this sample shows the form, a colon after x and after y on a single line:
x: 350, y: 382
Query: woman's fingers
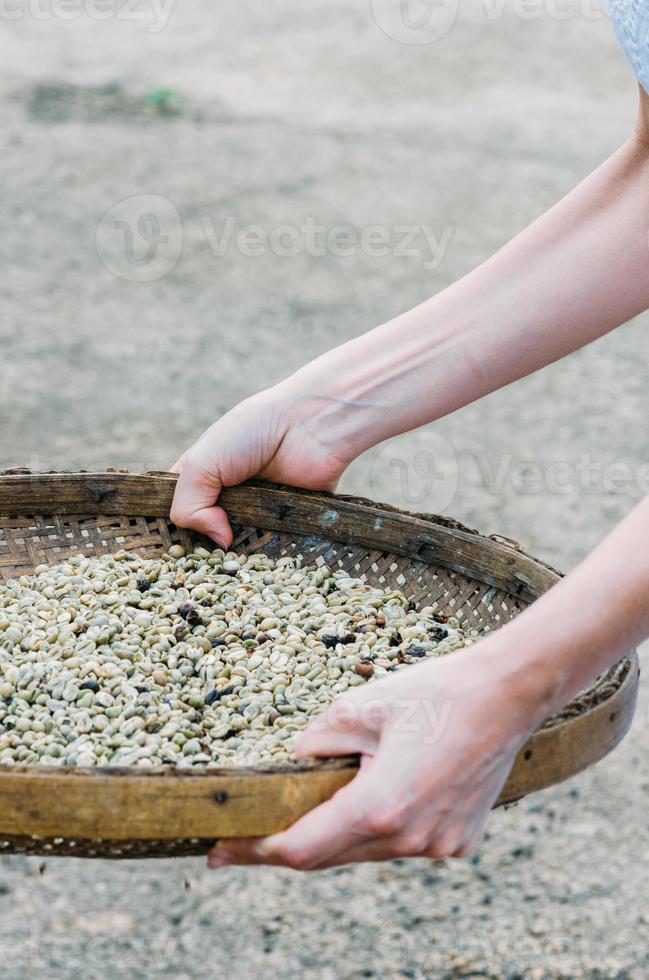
x: 331, y: 826
x: 382, y: 814
x: 247, y: 852
x: 194, y: 503
x: 417, y: 794
x: 343, y: 822
x: 408, y: 842
x: 458, y: 841
x: 351, y: 724
x: 320, y: 739
x: 458, y: 838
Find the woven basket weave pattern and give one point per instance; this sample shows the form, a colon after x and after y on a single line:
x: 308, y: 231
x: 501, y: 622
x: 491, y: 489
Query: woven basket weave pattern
x: 26, y: 542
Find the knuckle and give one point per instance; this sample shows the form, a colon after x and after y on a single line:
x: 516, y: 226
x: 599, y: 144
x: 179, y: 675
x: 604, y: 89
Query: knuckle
x: 178, y: 515
x: 410, y: 844
x: 444, y: 846
x: 296, y: 859
x: 190, y: 462
x: 469, y: 846
x: 384, y: 821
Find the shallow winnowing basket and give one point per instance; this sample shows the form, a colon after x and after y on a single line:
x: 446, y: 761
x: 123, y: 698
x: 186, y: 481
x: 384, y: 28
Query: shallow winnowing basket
x: 121, y: 813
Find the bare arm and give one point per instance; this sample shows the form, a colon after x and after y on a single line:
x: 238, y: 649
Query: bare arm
x: 642, y: 130
x: 575, y: 274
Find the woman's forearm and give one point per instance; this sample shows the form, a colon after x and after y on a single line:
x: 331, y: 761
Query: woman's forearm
x: 584, y: 624
x: 576, y: 273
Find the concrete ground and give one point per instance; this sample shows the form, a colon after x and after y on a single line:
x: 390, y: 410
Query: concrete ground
x: 141, y: 148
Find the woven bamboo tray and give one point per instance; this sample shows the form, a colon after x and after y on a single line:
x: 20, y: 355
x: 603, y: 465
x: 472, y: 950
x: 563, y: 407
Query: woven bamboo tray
x: 121, y: 813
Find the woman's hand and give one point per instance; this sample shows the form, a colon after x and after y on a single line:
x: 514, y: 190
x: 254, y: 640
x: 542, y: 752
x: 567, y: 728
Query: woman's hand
x: 270, y: 435
x: 437, y: 742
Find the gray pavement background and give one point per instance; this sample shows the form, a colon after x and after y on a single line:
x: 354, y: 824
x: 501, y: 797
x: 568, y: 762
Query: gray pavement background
x: 275, y: 115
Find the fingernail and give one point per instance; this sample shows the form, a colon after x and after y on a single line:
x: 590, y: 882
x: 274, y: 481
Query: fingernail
x: 219, y: 859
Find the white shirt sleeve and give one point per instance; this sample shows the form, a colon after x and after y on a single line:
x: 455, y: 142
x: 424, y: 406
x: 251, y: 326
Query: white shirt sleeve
x: 631, y: 21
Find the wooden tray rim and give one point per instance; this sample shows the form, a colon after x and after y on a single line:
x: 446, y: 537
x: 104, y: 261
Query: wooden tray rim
x: 225, y: 792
